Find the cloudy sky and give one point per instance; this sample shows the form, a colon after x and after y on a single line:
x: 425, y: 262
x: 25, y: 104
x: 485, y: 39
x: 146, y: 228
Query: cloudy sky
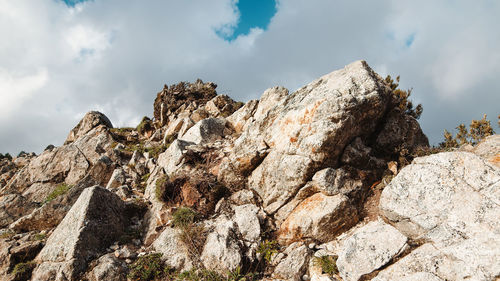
x: 61, y: 59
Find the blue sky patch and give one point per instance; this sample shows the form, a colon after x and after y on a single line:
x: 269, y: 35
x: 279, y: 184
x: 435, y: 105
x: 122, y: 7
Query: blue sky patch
x: 253, y: 13
x: 72, y: 3
x: 409, y: 40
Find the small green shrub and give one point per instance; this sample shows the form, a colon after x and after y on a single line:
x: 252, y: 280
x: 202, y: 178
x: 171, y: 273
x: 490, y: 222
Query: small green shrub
x: 199, y: 275
x: 5, y: 156
x: 155, y: 151
x: 22, y: 153
x: 402, y: 98
x: 267, y: 249
x: 160, y: 187
x: 183, y: 217
x: 239, y: 105
x: 145, y: 125
x: 478, y: 130
x: 22, y: 271
x: 60, y: 190
x: 7, y: 234
x: 39, y: 236
x: 148, y: 267
x: 327, y: 263
x: 145, y: 177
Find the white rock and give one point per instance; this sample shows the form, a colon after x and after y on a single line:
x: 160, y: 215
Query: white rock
x: 294, y: 265
x: 206, y: 130
x: 221, y: 251
x: 175, y: 253
x: 369, y: 248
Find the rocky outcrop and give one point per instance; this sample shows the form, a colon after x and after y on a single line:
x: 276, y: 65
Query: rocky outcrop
x: 306, y: 131
x: 96, y: 220
x: 272, y: 185
x: 91, y: 120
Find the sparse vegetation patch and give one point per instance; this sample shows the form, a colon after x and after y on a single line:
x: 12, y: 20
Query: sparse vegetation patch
x: 60, y: 190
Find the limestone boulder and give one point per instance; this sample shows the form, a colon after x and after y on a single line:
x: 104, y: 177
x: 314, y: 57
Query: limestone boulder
x: 172, y: 159
x: 368, y: 249
x: 444, y: 197
x: 428, y: 262
x: 319, y: 217
x: 222, y: 251
x: 247, y: 219
x: 93, y: 223
x: 68, y: 163
x: 175, y: 253
x: 91, y: 120
x: 294, y: 264
x: 451, y: 200
x: 489, y: 149
x: 51, y: 213
x: 118, y: 178
x: 221, y: 106
x: 206, y: 130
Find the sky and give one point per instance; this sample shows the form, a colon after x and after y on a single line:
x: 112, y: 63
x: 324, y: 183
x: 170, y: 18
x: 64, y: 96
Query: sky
x: 60, y: 60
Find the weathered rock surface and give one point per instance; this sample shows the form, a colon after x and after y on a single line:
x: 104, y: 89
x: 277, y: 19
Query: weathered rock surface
x: 51, y: 213
x: 91, y: 120
x: 294, y: 264
x: 206, y: 130
x: 108, y: 268
x: 319, y: 217
x: 451, y: 200
x: 369, y: 248
x: 309, y: 129
x: 12, y: 207
x: 93, y: 223
x: 222, y: 252
x: 292, y: 167
x: 175, y: 253
x: 489, y: 149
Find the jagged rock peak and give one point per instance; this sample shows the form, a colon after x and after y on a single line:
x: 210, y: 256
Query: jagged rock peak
x: 91, y: 120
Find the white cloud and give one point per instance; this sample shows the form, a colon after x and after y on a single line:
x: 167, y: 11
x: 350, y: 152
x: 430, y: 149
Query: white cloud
x: 59, y: 62
x: 84, y: 40
x: 15, y: 89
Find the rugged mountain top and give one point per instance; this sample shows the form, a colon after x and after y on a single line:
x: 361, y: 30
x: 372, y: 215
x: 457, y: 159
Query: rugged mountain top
x: 311, y: 185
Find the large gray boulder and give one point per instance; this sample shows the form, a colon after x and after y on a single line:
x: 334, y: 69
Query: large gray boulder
x: 222, y: 251
x: 450, y: 200
x: 175, y: 253
x: 368, y: 249
x: 96, y: 220
x: 294, y: 263
x: 206, y: 130
x: 91, y: 120
x: 319, y: 217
